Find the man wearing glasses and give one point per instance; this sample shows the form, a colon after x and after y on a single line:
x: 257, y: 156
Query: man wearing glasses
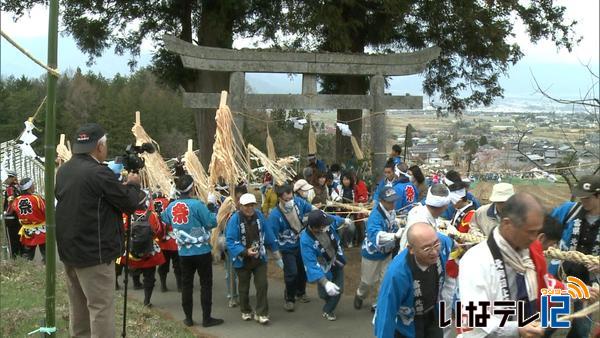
x: 408, y: 296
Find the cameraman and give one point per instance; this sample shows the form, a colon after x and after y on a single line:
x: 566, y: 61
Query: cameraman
x: 89, y: 231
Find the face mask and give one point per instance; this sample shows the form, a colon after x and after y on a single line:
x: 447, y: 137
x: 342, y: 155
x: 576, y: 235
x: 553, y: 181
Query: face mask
x: 289, y: 205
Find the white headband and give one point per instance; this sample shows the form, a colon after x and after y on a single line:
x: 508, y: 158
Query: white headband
x: 436, y: 201
x: 27, y: 185
x: 188, y: 188
x: 456, y: 195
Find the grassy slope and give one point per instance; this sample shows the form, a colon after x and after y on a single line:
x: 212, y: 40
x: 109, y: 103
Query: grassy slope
x: 22, y: 306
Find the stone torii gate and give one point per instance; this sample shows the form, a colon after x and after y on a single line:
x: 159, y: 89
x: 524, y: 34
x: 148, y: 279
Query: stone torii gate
x: 239, y: 62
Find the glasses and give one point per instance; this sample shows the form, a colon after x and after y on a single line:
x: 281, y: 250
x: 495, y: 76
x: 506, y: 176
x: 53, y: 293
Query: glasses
x: 428, y: 249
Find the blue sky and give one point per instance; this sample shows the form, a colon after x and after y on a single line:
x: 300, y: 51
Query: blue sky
x: 559, y: 71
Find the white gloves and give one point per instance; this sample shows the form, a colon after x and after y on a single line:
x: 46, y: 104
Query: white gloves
x: 347, y: 221
x: 332, y: 289
x: 279, y: 263
x: 399, y: 233
x: 211, y: 198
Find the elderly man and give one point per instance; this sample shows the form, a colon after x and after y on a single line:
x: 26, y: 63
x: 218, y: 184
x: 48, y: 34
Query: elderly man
x: 504, y: 268
x: 381, y: 234
x: 488, y: 216
x: 581, y: 224
x: 89, y: 237
x: 436, y: 202
x: 247, y: 236
x: 406, y: 306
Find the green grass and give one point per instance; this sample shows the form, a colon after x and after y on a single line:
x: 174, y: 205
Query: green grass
x: 22, y: 287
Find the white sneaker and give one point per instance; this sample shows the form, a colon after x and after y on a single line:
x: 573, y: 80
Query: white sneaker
x: 329, y: 316
x: 261, y: 319
x: 246, y: 316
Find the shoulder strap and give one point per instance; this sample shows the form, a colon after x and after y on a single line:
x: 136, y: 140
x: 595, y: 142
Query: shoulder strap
x: 499, y: 265
x: 573, y: 213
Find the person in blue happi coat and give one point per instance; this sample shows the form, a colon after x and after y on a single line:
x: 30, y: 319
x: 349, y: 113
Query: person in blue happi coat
x: 323, y: 258
x: 192, y: 223
x: 381, y: 236
x: 247, y: 235
x: 407, y: 303
x: 406, y: 191
x: 286, y: 221
x: 581, y: 224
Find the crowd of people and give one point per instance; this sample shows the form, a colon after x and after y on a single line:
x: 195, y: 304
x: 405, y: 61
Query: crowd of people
x: 412, y: 272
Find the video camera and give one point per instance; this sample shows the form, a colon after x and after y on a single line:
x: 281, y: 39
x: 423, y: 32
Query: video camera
x: 131, y: 160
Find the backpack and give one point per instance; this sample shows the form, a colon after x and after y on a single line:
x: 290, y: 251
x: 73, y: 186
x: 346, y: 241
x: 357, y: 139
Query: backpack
x: 142, y: 238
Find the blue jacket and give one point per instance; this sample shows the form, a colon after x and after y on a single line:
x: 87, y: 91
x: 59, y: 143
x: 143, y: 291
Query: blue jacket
x: 315, y: 263
x: 396, y: 303
x: 321, y: 166
x: 375, y: 223
x: 560, y: 214
x: 407, y: 191
x: 397, y: 160
x: 191, y: 221
x: 449, y: 213
x: 283, y: 233
x: 234, y: 243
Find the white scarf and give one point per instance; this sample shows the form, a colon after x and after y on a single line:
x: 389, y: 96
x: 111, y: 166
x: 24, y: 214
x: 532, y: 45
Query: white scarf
x: 521, y: 262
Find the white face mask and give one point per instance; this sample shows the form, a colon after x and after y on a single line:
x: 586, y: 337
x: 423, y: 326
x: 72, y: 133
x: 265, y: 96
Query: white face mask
x: 289, y: 205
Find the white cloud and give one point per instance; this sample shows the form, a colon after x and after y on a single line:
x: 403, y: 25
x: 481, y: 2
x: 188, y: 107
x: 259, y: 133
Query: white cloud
x: 31, y: 25
x: 586, y: 13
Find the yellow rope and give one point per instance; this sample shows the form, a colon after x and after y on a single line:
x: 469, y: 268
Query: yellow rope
x: 554, y: 253
x: 17, y: 46
x: 573, y: 256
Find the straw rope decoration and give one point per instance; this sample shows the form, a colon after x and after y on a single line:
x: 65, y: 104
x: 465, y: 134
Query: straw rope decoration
x: 192, y: 165
x: 224, y: 160
x: 270, y: 146
x: 554, y: 253
x: 357, y: 151
x: 156, y: 174
x: 63, y: 153
x: 312, y: 139
x: 280, y: 173
x: 226, y: 209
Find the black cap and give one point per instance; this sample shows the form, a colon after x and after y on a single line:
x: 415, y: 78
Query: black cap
x: 317, y: 219
x: 587, y: 186
x: 389, y: 194
x: 87, y: 137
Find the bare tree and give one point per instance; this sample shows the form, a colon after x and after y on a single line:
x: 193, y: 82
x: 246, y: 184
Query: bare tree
x: 588, y: 102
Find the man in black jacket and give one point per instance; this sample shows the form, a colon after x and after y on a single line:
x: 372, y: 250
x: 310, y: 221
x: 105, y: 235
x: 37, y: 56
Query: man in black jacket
x: 89, y: 231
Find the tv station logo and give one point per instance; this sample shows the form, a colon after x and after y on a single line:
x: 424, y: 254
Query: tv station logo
x: 554, y: 304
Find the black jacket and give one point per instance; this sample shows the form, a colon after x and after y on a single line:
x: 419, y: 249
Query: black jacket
x: 89, y: 222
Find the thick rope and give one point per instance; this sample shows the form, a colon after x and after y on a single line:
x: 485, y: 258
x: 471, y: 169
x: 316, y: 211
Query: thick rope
x: 554, y: 253
x: 583, y: 312
x: 40, y: 63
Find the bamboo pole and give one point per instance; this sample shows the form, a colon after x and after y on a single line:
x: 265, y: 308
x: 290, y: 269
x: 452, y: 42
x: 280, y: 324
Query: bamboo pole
x: 50, y: 156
